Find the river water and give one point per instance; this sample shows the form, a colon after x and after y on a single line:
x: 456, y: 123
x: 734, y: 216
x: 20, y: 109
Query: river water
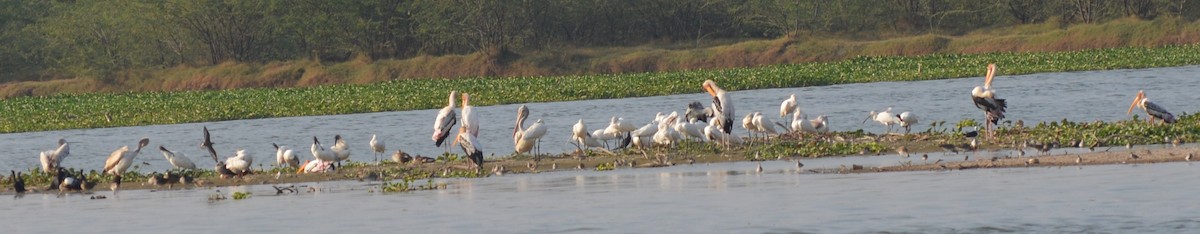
x: 726, y: 197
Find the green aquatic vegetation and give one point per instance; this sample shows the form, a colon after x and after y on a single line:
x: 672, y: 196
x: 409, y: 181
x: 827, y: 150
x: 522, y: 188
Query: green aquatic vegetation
x: 241, y: 195
x: 97, y: 110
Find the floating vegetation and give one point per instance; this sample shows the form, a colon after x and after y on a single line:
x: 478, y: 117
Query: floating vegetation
x: 98, y: 110
x: 240, y: 195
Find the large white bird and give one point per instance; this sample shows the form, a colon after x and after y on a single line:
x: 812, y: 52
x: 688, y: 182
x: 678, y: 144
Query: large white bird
x: 52, y: 159
x: 714, y: 134
x: 582, y: 138
x: 788, y: 106
x: 340, y: 149
x: 377, y: 146
x: 748, y: 124
x: 643, y: 137
x: 801, y: 124
x: 689, y: 129
x: 285, y: 156
x: 120, y: 160
x: 470, y: 146
x: 240, y: 163
x: 764, y: 125
x: 469, y: 117
x: 177, y: 160
x: 985, y: 99
x: 820, y: 123
x: 907, y: 120
x: 722, y: 106
x: 1153, y: 110
x: 525, y: 139
x: 885, y: 117
x: 320, y: 153
x: 665, y: 136
x: 444, y: 122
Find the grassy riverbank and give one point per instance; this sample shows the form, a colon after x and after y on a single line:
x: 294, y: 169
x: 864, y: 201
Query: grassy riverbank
x: 97, y: 110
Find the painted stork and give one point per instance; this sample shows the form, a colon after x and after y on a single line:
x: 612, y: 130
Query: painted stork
x: 445, y: 121
x: 469, y: 117
x: 985, y: 99
x: 722, y: 106
x: 470, y: 146
x: 1153, y: 110
x: 525, y: 139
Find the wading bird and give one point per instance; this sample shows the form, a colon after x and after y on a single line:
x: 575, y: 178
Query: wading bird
x: 469, y: 117
x: 1153, y: 110
x: 722, y: 107
x: 696, y: 112
x: 788, y: 106
x: 52, y: 159
x: 907, y: 120
x: 340, y: 149
x: 240, y: 163
x: 445, y: 121
x: 177, y: 160
x: 985, y: 99
x: 320, y: 153
x: 119, y: 161
x: 470, y: 146
x: 377, y: 146
x: 525, y: 139
x: 17, y: 181
x: 886, y: 118
x: 285, y: 157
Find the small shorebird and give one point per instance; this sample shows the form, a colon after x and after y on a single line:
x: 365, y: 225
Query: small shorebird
x: 759, y: 168
x: 1189, y: 157
x: 902, y: 151
x: 1078, y: 160
x: 925, y: 157
x: 1133, y: 156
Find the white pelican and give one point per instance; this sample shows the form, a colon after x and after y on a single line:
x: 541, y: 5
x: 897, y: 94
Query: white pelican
x: 119, y: 161
x: 1154, y: 111
x: 469, y: 117
x: 470, y: 146
x: 801, y: 124
x: 788, y: 106
x: 525, y: 139
x: 377, y: 146
x: 285, y: 156
x: 885, y: 117
x: 764, y: 125
x: 722, y: 105
x: 52, y: 159
x: 445, y: 120
x: 907, y: 120
x: 177, y: 160
x: 340, y: 149
x: 240, y: 163
x: 985, y: 99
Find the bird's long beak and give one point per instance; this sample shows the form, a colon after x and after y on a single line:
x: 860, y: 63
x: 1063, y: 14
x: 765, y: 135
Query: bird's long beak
x: 710, y: 90
x: 457, y: 137
x: 872, y: 114
x: 991, y: 72
x: 302, y: 166
x: 1141, y: 94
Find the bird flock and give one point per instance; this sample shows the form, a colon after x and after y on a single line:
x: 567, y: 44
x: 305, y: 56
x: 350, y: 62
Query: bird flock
x: 713, y: 124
